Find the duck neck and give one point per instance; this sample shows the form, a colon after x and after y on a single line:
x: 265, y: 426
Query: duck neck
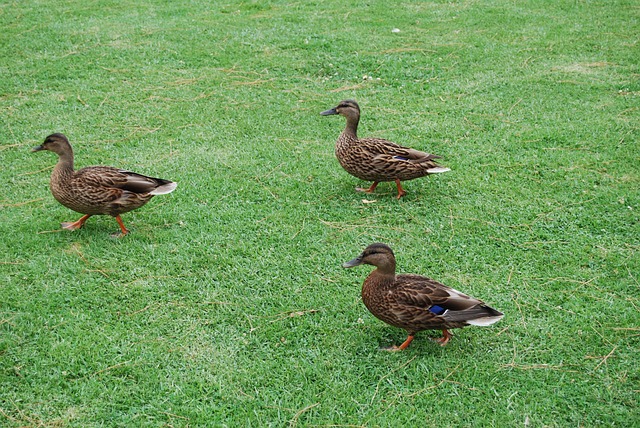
x: 386, y: 273
x: 64, y: 167
x: 351, y: 130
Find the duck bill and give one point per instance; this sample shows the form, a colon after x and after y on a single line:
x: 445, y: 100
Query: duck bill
x: 329, y: 112
x: 353, y: 263
x: 37, y: 149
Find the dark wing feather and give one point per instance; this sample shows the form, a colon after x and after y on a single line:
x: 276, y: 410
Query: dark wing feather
x: 394, y: 152
x: 418, y: 290
x: 99, y: 176
x: 98, y: 185
x: 413, y: 316
x: 139, y: 183
x: 381, y: 160
x: 105, y: 177
x: 408, y: 303
x: 108, y: 177
x: 105, y: 190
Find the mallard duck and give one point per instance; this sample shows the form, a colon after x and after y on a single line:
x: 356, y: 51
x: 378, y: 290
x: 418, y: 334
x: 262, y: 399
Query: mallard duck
x: 376, y: 159
x: 415, y: 303
x: 96, y: 190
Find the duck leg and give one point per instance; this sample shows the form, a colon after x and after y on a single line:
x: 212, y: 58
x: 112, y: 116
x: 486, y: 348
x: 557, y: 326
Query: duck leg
x: 406, y: 343
x: 370, y: 189
x: 401, y: 191
x: 77, y: 224
x: 444, y: 339
x: 402, y: 347
x: 121, y: 224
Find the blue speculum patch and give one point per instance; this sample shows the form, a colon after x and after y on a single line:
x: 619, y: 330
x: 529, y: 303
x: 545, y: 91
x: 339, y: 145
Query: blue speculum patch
x: 438, y: 310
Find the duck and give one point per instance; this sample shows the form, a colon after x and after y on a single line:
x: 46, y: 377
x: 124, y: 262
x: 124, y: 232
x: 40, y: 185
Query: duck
x: 377, y: 159
x: 414, y: 302
x: 98, y: 190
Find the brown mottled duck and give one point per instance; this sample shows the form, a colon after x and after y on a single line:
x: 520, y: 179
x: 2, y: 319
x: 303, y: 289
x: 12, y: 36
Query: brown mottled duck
x: 416, y: 303
x: 97, y: 190
x: 376, y: 159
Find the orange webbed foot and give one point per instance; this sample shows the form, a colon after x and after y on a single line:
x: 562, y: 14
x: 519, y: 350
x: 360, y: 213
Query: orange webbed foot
x: 123, y: 230
x: 393, y: 348
x: 76, y: 224
x: 401, y: 191
x: 369, y: 189
x: 446, y: 336
x: 402, y: 347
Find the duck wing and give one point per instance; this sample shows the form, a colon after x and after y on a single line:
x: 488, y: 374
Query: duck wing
x: 423, y: 302
x: 389, y: 151
x: 116, y: 180
x: 425, y: 292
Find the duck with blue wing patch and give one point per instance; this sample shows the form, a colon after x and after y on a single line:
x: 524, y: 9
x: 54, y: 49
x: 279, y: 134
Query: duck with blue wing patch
x: 414, y: 302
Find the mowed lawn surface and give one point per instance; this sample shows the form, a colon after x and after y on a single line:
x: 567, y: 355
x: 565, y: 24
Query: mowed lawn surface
x: 227, y: 304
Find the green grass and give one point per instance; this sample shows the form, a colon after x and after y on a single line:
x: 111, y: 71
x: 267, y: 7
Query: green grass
x: 227, y: 305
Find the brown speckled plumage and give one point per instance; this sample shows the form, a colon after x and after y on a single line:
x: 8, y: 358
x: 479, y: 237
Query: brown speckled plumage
x: 376, y: 159
x: 415, y: 303
x: 96, y: 190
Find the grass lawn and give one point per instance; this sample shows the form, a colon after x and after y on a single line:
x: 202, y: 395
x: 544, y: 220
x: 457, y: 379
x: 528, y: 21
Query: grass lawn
x: 227, y: 304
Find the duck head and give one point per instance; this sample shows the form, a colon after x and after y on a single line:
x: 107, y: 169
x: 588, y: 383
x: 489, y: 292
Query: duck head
x: 378, y: 255
x: 347, y: 108
x: 57, y: 143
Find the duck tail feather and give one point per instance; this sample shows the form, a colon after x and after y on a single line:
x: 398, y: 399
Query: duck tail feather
x: 164, y: 188
x: 438, y: 170
x: 485, y: 321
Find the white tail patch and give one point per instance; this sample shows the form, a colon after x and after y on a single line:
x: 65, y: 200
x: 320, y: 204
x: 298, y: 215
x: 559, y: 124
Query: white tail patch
x: 438, y: 170
x: 485, y: 321
x: 164, y: 189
